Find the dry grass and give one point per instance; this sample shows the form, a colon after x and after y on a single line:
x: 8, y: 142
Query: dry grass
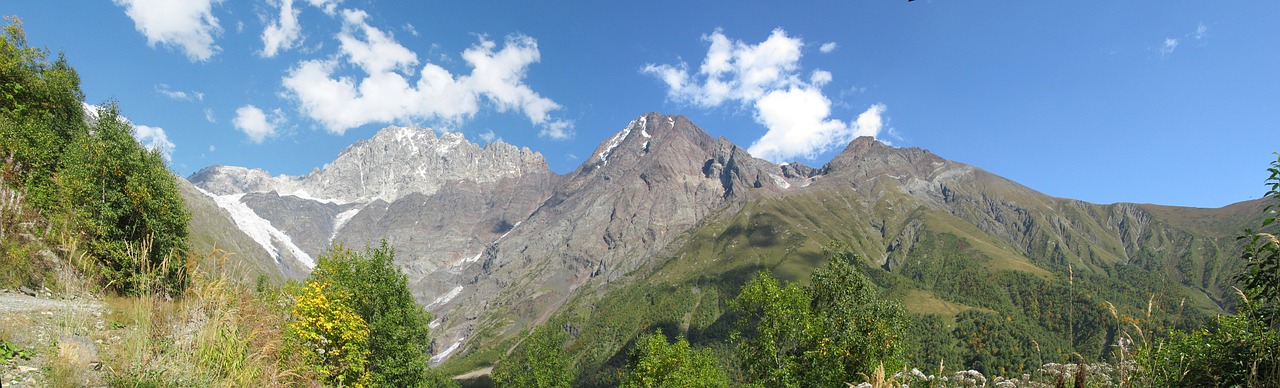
x: 219, y: 333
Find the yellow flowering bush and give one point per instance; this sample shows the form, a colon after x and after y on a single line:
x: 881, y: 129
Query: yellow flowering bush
x: 330, y: 336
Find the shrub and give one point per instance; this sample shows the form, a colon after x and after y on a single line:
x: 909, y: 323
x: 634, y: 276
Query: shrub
x: 826, y: 334
x: 331, y: 337
x: 399, y: 331
x: 656, y: 363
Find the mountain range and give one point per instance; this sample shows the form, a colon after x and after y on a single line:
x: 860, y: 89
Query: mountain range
x: 663, y: 222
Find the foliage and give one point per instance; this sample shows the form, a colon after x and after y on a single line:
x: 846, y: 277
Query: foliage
x: 122, y: 195
x: 40, y: 110
x: 1232, y: 351
x: 825, y: 334
x: 1261, y: 277
x: 656, y: 363
x: 119, y: 196
x: 378, y: 292
x: 541, y: 362
x: 9, y: 351
x: 332, y: 337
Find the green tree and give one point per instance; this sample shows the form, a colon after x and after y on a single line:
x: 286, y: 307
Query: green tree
x: 127, y: 202
x: 656, y: 363
x: 827, y: 334
x: 40, y: 111
x: 399, y: 334
x: 541, y: 362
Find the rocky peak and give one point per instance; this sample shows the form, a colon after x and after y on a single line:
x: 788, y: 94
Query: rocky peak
x: 394, y: 162
x: 867, y: 157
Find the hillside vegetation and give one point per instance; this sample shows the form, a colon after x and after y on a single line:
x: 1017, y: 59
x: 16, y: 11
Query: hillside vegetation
x: 86, y: 212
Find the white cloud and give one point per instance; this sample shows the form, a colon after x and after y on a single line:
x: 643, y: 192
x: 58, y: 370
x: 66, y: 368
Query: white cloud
x: 255, y: 123
x: 488, y: 136
x: 734, y: 70
x: 188, y: 25
x: 283, y: 33
x: 208, y: 115
x: 827, y: 48
x: 212, y: 148
x: 329, y: 7
x: 766, y: 78
x: 154, y: 138
x: 388, y: 93
x: 164, y: 89
x: 1169, y: 45
x: 1201, y: 31
x: 408, y: 27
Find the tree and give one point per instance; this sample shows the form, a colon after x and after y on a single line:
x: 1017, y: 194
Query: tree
x: 40, y: 110
x: 826, y: 334
x: 541, y: 362
x: 656, y: 363
x: 126, y: 201
x: 399, y: 331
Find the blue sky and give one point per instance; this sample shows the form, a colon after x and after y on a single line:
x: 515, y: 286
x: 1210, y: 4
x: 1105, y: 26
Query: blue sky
x: 1158, y: 102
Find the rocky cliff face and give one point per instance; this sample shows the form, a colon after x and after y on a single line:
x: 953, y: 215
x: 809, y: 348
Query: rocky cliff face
x: 373, y: 189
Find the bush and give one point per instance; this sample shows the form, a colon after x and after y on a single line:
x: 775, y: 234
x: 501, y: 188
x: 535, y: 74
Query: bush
x: 332, y: 337
x: 829, y: 333
x: 399, y: 335
x: 656, y: 363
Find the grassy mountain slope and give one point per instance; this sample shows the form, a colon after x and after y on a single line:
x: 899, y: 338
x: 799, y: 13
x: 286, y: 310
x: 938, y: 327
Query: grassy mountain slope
x: 1002, y: 278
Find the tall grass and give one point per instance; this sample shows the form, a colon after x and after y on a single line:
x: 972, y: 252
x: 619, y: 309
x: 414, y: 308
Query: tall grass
x: 220, y: 332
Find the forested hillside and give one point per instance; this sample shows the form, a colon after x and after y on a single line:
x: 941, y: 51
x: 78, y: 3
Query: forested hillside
x: 95, y: 221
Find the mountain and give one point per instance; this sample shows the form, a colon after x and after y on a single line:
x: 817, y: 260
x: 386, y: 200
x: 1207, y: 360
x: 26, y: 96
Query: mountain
x: 663, y: 223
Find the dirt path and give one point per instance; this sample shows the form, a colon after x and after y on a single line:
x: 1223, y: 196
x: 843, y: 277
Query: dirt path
x: 61, y: 337
x: 18, y: 303
x: 474, y: 374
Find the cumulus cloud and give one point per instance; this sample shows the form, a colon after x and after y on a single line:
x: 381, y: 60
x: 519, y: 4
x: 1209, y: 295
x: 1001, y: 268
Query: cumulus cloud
x: 256, y: 124
x: 1201, y: 31
x: 766, y: 78
x: 388, y: 92
x: 488, y: 136
x: 187, y: 25
x: 827, y: 48
x: 284, y: 32
x: 166, y: 91
x: 154, y: 138
x: 208, y: 115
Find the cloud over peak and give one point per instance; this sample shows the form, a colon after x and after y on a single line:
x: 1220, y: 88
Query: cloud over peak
x: 767, y: 78
x: 387, y: 92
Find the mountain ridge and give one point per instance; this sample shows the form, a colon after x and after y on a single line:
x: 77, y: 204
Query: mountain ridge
x: 492, y: 254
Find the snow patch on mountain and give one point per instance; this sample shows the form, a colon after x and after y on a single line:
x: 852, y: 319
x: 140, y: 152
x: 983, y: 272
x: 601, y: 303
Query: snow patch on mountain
x: 341, y: 220
x: 437, y: 359
x: 258, y: 228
